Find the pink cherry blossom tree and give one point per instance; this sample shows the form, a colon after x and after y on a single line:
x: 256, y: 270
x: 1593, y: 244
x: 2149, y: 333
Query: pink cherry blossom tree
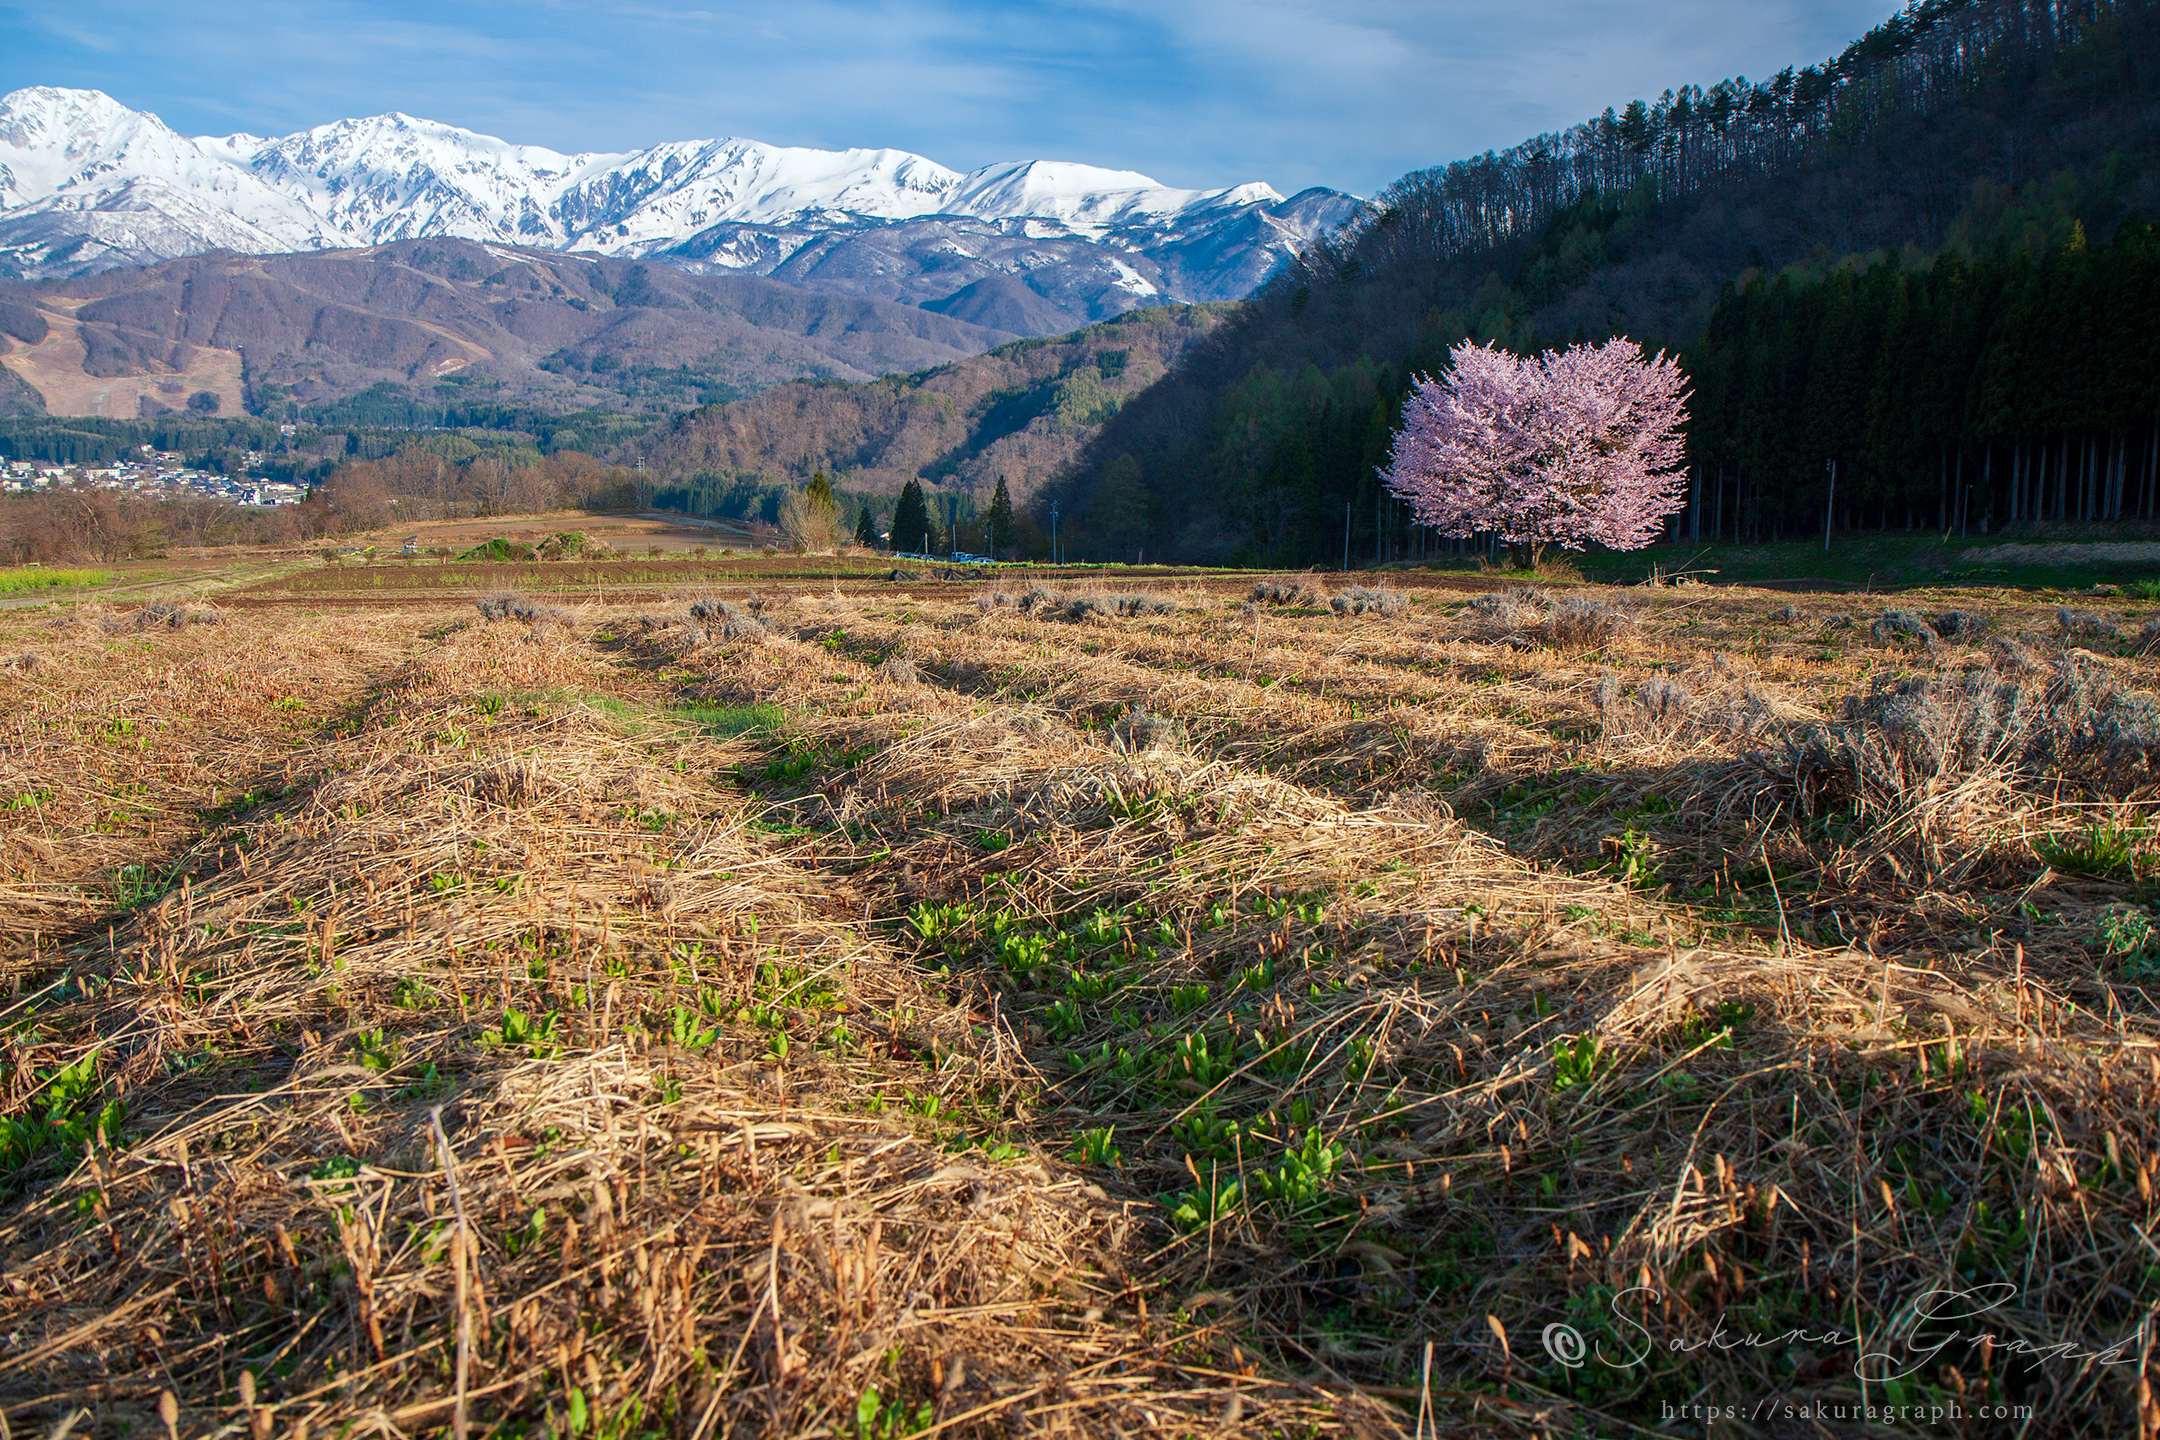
x: 1575, y: 446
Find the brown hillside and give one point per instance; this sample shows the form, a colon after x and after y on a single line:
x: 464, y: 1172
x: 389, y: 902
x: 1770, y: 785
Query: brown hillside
x: 545, y: 327
x: 1021, y: 411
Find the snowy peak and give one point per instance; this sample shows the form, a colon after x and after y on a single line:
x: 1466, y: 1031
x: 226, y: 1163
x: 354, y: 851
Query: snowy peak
x: 1086, y: 195
x: 80, y: 150
x: 87, y: 184
x: 395, y: 177
x: 670, y: 192
x: 54, y: 141
x: 72, y: 127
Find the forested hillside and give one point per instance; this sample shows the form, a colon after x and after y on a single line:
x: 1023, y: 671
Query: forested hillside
x: 1022, y: 412
x: 1968, y: 162
x: 2020, y: 385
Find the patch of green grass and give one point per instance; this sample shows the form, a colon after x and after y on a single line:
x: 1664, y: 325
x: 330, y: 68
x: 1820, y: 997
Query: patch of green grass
x: 732, y: 719
x: 879, y: 1418
x: 1307, y: 1176
x: 2106, y: 850
x: 2129, y: 938
x: 1218, y: 1199
x: 1875, y: 560
x: 22, y: 579
x: 61, y: 1121
x: 1575, y: 1063
x: 538, y: 1037
x: 1097, y: 1146
x: 1020, y: 954
x: 499, y: 549
x: 726, y: 720
x: 135, y: 886
x: 1185, y: 999
x: 628, y: 718
x: 1634, y: 858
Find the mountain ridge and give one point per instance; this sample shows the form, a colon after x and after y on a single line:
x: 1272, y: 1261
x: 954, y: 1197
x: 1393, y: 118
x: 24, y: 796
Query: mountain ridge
x: 88, y: 184
x: 526, y: 326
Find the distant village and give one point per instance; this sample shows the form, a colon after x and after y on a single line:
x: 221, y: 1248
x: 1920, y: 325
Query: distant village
x: 159, y: 474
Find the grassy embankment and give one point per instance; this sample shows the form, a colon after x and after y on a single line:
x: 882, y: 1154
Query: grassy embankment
x: 29, y: 579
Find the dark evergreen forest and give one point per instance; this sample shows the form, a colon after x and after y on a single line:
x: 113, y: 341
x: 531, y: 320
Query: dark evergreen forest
x: 1925, y: 261
x: 1961, y: 396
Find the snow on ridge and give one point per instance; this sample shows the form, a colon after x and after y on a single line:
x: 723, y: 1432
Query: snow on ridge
x: 87, y: 183
x: 364, y: 181
x: 1087, y: 195
x: 80, y: 150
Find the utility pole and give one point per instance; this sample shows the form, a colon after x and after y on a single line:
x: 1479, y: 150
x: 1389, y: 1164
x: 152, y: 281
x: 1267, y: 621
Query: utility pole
x: 1346, y: 537
x: 1053, y: 533
x: 1829, y: 505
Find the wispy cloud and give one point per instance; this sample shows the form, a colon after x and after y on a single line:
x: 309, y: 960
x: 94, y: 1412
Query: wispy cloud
x: 1195, y: 92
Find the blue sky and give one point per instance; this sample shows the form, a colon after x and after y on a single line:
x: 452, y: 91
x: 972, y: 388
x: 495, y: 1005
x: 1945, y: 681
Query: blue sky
x: 1194, y: 92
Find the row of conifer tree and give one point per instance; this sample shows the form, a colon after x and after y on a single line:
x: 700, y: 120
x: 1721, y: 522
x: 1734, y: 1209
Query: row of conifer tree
x: 1956, y: 396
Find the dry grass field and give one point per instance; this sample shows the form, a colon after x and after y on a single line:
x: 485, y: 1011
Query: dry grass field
x: 879, y: 1009
x: 674, y: 536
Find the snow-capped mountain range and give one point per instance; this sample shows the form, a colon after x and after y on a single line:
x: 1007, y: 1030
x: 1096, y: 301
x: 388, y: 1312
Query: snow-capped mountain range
x: 88, y: 184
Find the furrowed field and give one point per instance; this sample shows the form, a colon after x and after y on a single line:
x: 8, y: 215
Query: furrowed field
x: 873, y: 1009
